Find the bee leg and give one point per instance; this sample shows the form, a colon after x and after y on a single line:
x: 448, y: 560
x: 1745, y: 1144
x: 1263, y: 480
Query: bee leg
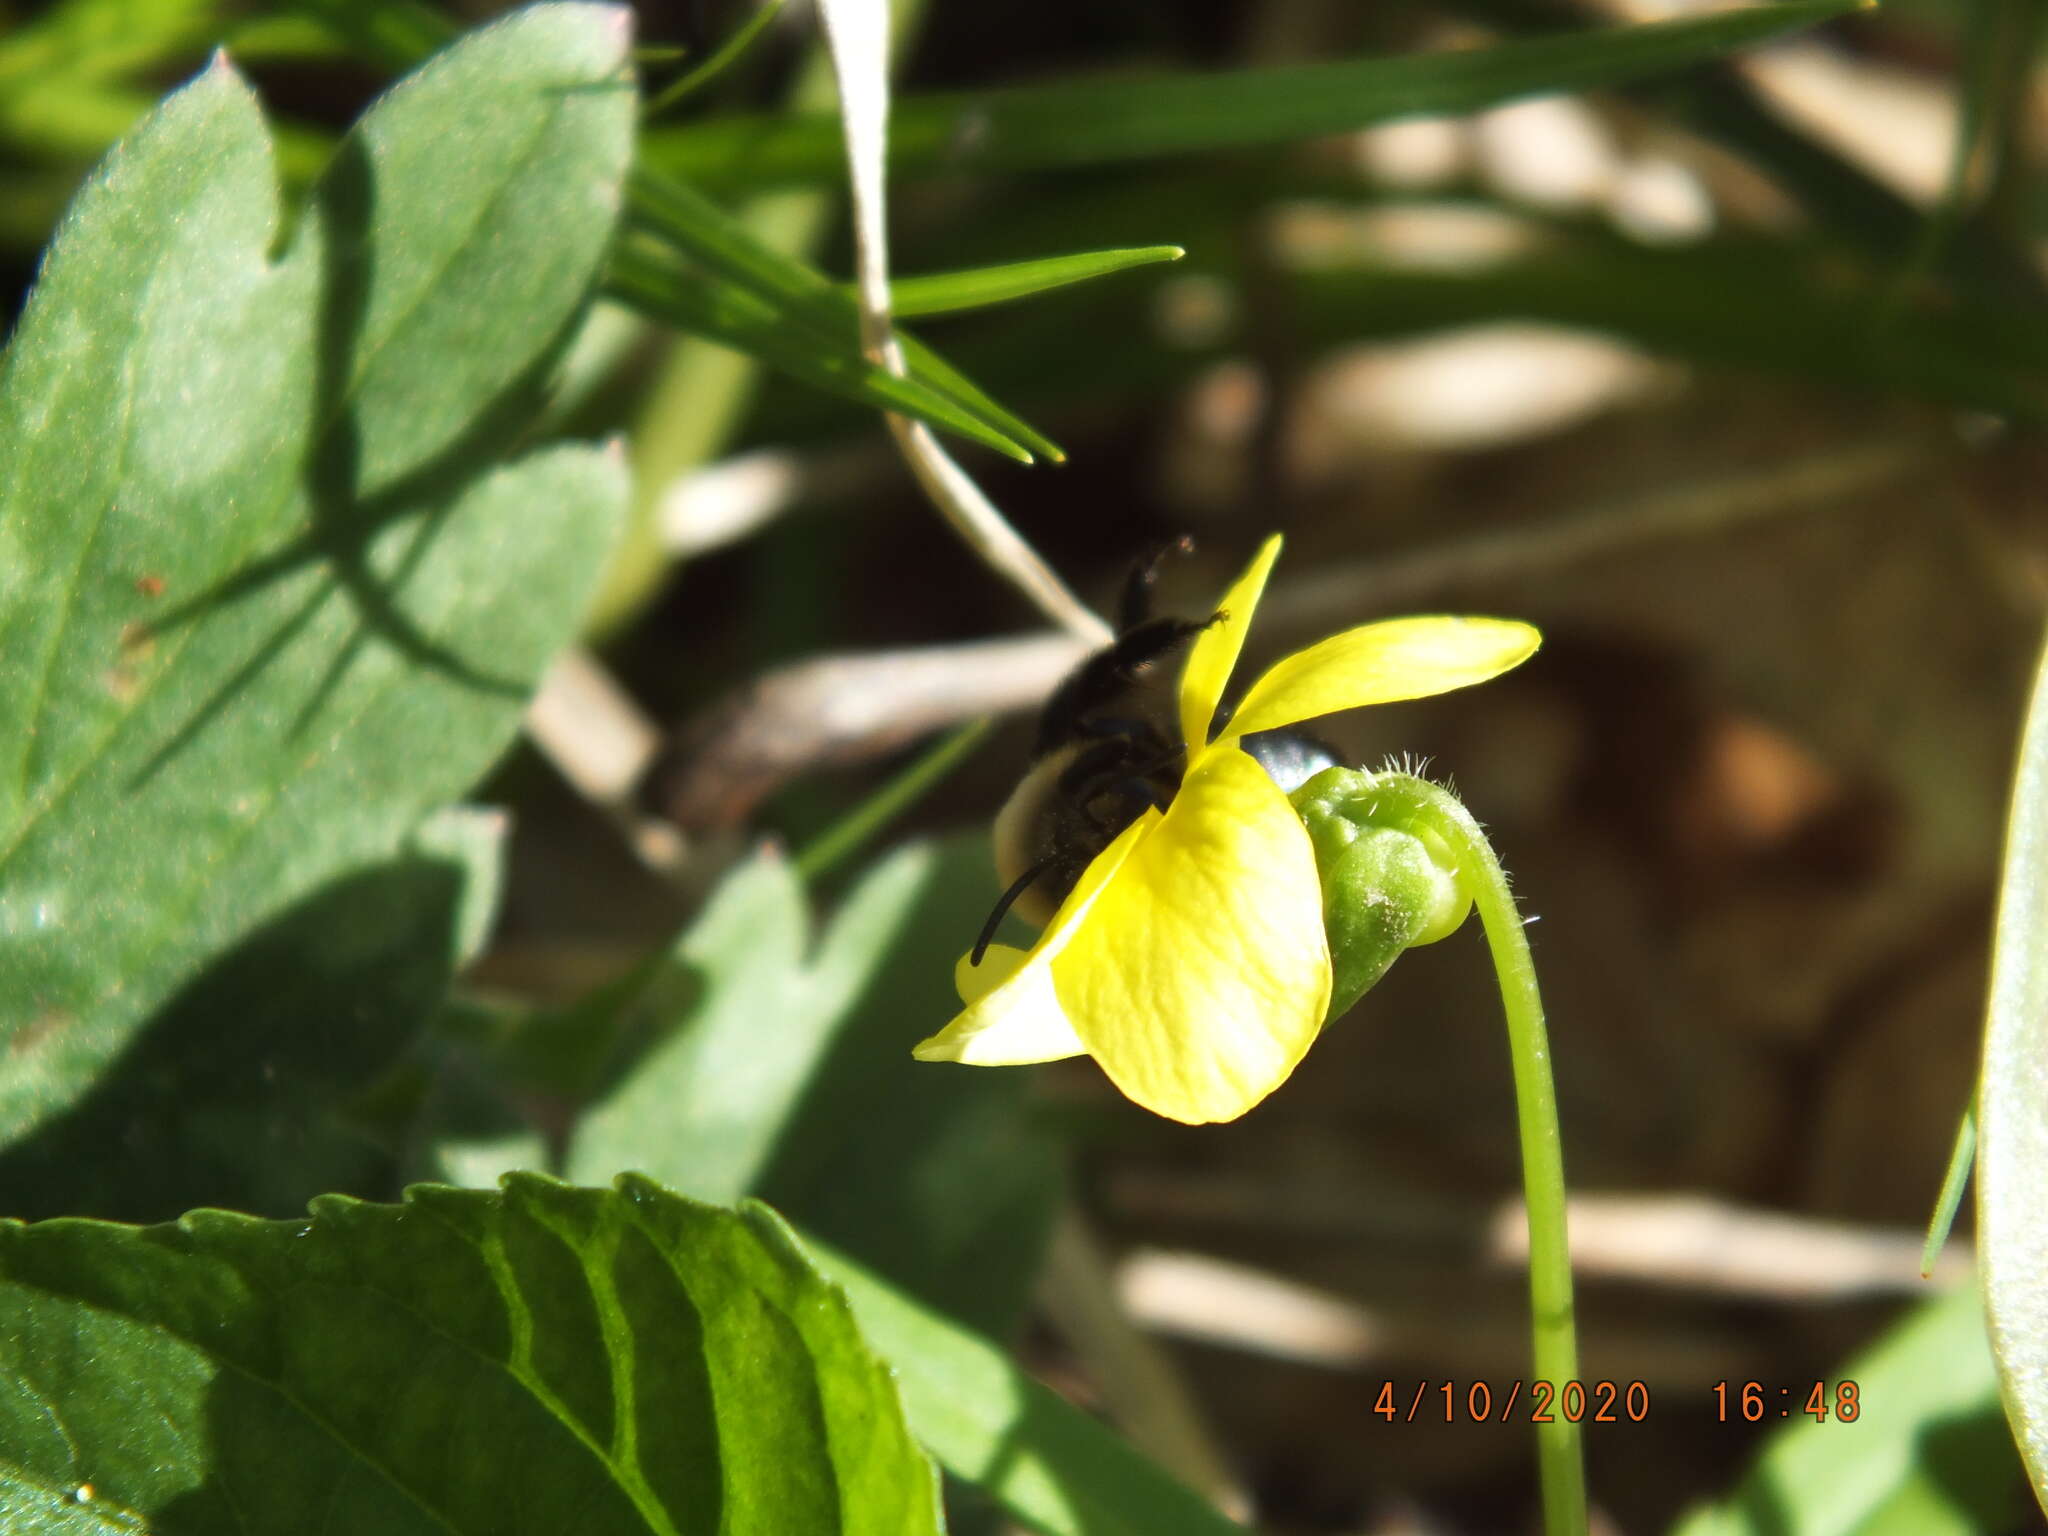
x: 1094, y: 772
x: 1096, y: 763
x: 1143, y: 792
x: 1130, y: 728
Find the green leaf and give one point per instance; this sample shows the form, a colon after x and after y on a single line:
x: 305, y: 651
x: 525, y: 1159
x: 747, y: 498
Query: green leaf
x: 96, y: 40
x: 1962, y: 1157
x: 865, y: 821
x: 803, y: 305
x: 702, y: 1110
x: 392, y: 34
x: 764, y: 328
x: 1048, y: 1465
x: 540, y: 1360
x: 2012, y: 1106
x: 266, y: 598
x: 945, y: 293
x: 947, y: 1186
x: 722, y: 58
x: 1091, y: 122
x: 237, y: 1092
x: 738, y: 289
x: 1927, y: 1455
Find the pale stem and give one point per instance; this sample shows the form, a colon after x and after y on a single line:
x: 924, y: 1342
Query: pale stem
x: 857, y: 35
x: 1554, y: 1339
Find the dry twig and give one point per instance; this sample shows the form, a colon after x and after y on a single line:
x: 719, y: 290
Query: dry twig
x: 837, y: 710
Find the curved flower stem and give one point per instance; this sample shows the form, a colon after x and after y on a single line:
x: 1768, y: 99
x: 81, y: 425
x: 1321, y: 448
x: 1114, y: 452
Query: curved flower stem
x: 1425, y: 806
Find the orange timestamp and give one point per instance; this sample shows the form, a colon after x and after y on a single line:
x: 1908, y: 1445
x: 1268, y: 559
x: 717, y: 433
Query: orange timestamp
x: 1756, y: 1401
x: 1524, y: 1402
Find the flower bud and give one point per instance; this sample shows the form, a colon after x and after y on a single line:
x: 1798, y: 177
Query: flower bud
x: 1386, y: 887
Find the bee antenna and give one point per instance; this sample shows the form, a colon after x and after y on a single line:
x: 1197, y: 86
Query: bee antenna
x: 1003, y: 904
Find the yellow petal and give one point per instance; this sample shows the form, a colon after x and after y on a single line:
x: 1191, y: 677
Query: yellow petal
x: 1380, y: 663
x: 999, y: 962
x: 1013, y: 1015
x: 1015, y: 1020
x: 1216, y: 648
x: 1202, y: 974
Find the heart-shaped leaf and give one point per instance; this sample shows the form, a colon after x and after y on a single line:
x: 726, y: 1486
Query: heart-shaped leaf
x: 781, y: 1068
x: 266, y: 594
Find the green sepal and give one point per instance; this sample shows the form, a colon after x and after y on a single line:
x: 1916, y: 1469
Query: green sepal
x: 1386, y: 887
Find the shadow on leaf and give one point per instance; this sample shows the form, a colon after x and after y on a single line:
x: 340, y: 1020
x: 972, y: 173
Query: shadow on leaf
x: 349, y: 525
x: 230, y: 1097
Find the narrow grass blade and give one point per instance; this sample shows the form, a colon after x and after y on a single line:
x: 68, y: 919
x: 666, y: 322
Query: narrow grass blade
x: 1096, y: 121
x: 948, y: 293
x: 726, y: 313
x: 701, y: 230
x: 857, y: 38
x: 1953, y: 1183
x: 850, y: 833
x: 807, y: 328
x: 1733, y: 303
x: 720, y: 61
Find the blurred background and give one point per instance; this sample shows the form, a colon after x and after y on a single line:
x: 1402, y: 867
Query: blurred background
x: 1730, y: 382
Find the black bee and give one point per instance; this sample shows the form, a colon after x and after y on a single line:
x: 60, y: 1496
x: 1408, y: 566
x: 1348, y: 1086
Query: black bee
x: 1108, y: 747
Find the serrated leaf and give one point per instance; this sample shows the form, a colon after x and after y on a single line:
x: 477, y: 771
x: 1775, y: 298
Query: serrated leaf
x: 1927, y: 1453
x: 1091, y: 122
x: 540, y: 1360
x: 2012, y: 1106
x: 937, y: 1183
x: 266, y: 599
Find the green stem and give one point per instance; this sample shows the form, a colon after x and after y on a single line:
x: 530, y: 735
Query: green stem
x: 847, y: 835
x: 1555, y: 1351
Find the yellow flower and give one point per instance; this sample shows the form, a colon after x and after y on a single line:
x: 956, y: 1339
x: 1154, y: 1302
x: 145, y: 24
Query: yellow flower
x: 1190, y: 959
